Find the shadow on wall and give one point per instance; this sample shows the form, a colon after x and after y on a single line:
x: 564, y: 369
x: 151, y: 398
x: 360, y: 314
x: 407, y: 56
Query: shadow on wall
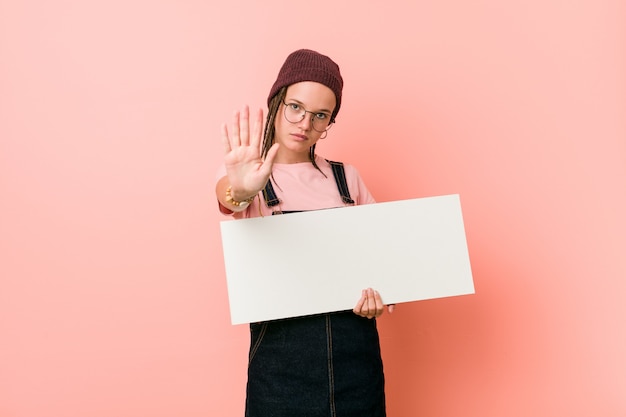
x: 441, y: 356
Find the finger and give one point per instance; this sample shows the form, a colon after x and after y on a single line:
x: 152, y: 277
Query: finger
x: 234, y: 137
x: 391, y: 307
x: 379, y: 303
x: 371, y: 302
x: 244, y: 126
x: 266, y: 167
x: 365, y: 310
x: 255, y: 139
x: 225, y: 140
x: 359, y: 305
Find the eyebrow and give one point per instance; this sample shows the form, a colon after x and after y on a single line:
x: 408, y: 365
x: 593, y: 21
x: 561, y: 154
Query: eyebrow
x: 299, y: 102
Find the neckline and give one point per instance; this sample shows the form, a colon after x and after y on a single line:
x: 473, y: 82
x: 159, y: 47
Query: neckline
x: 318, y: 159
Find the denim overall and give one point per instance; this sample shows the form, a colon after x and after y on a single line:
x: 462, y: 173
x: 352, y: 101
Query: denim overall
x: 325, y: 365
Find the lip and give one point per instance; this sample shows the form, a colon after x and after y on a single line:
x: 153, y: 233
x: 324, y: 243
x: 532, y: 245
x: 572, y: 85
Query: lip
x: 300, y: 137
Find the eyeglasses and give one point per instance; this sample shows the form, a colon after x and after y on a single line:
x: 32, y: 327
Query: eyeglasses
x: 295, y: 113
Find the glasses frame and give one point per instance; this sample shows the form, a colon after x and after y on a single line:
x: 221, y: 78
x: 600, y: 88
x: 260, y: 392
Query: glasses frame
x: 313, y: 116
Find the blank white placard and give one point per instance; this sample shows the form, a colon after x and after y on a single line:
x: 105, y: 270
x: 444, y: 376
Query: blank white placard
x: 319, y: 261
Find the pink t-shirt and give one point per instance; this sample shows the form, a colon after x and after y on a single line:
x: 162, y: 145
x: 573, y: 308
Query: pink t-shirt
x: 301, y: 187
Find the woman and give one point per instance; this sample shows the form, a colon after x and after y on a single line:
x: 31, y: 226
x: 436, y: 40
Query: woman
x: 321, y: 365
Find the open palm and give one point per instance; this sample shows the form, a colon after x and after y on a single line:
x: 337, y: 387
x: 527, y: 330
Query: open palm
x: 247, y: 171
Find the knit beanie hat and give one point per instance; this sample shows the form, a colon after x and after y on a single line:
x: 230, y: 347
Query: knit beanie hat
x: 307, y: 65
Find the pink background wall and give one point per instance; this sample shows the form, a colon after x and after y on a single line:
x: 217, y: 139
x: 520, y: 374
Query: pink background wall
x: 112, y: 294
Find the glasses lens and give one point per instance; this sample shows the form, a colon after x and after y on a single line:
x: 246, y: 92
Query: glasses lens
x: 321, y: 123
x: 295, y: 113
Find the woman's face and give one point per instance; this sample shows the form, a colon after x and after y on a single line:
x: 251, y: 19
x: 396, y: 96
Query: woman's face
x: 296, y: 139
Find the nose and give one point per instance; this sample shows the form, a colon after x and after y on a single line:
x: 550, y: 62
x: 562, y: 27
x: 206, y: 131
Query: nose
x: 306, y: 122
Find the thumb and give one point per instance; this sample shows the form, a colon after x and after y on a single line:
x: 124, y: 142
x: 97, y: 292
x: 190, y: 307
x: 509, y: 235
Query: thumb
x: 266, y: 167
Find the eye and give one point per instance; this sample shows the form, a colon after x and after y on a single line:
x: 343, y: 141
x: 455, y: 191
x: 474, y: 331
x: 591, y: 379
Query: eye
x: 321, y: 116
x: 294, y: 106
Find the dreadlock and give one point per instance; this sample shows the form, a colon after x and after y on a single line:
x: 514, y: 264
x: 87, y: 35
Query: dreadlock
x: 272, y: 111
x: 270, y: 129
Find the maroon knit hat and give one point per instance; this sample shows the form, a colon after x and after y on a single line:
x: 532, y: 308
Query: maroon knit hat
x: 307, y: 65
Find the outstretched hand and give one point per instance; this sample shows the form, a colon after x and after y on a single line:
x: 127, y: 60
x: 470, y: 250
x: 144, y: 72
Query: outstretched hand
x: 370, y: 304
x: 246, y: 170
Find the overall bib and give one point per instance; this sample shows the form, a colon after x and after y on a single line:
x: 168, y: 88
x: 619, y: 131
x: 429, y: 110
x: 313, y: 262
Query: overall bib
x: 325, y: 365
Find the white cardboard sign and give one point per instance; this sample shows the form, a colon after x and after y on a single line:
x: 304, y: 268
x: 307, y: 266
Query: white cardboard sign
x: 319, y: 261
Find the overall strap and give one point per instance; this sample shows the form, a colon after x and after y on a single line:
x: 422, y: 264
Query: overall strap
x: 269, y: 195
x: 340, y: 178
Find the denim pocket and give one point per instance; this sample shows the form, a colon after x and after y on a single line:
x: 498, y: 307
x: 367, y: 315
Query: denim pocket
x: 257, y: 331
